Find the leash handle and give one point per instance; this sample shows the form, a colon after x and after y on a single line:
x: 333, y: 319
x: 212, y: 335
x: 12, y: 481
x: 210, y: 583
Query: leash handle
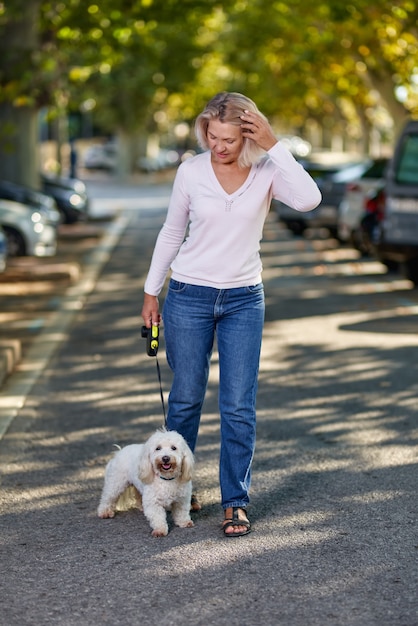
x: 152, y: 336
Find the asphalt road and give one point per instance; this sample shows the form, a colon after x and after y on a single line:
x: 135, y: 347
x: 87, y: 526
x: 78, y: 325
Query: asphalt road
x: 334, y: 498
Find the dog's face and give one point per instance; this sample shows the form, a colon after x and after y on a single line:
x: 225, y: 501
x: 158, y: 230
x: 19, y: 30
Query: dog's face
x: 168, y: 456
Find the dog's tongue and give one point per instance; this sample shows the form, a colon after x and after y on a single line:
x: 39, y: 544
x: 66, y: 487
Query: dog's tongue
x: 166, y: 466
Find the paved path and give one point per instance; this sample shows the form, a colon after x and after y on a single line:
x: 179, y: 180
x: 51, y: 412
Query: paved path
x: 334, y: 504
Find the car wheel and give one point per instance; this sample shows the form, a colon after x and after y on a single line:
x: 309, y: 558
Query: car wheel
x: 334, y: 233
x: 71, y: 217
x: 410, y: 269
x: 359, y: 241
x: 297, y: 228
x: 391, y: 266
x: 15, y: 243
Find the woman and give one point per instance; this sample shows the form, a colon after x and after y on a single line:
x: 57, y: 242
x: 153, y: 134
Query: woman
x: 222, y: 197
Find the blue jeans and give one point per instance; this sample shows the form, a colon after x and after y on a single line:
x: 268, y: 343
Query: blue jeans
x: 192, y: 315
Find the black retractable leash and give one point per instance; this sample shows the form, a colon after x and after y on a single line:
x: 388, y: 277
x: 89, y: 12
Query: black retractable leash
x: 152, y: 336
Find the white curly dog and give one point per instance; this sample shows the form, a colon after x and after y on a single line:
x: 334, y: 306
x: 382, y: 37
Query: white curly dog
x: 160, y: 470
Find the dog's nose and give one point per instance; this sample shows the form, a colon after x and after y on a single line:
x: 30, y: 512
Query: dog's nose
x: 166, y: 459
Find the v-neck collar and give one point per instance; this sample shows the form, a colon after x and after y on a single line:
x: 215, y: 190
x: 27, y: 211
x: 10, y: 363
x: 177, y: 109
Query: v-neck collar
x: 240, y: 189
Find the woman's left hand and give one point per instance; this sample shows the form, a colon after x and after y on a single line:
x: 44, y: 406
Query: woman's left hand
x: 258, y: 130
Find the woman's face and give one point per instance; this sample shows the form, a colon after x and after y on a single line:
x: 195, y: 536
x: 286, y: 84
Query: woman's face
x: 225, y: 141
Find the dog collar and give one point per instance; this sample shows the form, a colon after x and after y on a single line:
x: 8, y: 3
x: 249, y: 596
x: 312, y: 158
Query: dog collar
x: 163, y: 478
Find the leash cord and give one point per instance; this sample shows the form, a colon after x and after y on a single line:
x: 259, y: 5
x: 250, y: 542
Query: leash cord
x: 161, y: 390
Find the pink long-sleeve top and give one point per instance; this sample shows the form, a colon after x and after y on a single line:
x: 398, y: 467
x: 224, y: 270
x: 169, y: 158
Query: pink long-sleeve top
x: 212, y: 238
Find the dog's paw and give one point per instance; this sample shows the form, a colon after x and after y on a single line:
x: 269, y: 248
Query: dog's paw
x: 105, y: 513
x: 187, y: 524
x: 159, y: 532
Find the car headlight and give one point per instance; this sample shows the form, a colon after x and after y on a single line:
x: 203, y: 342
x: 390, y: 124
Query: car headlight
x: 76, y: 200
x: 36, y: 217
x: 79, y: 186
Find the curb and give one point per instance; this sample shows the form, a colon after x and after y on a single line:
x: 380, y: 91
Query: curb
x: 17, y: 387
x: 10, y: 355
x: 11, y: 348
x: 25, y: 270
x: 54, y: 271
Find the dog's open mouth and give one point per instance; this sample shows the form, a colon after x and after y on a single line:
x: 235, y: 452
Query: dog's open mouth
x: 166, y: 467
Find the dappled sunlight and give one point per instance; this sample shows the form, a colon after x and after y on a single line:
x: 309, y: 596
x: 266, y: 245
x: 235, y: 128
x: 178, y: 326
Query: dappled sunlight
x: 11, y: 401
x: 374, y: 496
x: 212, y: 555
x: 31, y: 466
x: 269, y: 246
x: 53, y: 495
x: 73, y: 437
x: 93, y: 364
x: 297, y: 520
x: 325, y: 386
x: 340, y: 253
x: 368, y: 431
x: 309, y: 413
x: 107, y: 399
x: 392, y: 456
x: 333, y: 478
x: 287, y: 268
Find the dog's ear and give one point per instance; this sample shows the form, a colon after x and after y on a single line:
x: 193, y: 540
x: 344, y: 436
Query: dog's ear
x: 145, y: 468
x: 187, y: 465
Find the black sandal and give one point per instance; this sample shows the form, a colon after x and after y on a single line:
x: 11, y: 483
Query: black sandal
x: 233, y: 520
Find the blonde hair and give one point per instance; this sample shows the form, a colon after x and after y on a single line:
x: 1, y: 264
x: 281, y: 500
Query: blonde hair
x: 227, y: 107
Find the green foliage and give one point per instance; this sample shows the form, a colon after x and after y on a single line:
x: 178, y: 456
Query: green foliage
x: 148, y: 63
x: 314, y: 55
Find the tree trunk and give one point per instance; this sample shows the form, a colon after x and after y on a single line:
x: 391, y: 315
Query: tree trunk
x: 18, y: 120
x: 19, y: 161
x: 383, y: 83
x: 130, y: 147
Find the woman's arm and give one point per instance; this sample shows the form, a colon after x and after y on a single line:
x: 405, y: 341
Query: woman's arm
x: 292, y: 184
x: 170, y: 237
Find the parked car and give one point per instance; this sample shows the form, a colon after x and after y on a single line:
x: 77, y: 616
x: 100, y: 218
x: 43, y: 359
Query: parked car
x: 101, y: 157
x: 370, y: 220
x: 371, y: 223
x: 165, y: 159
x: 397, y: 234
x: 28, y: 231
x: 326, y: 214
x: 21, y: 193
x: 70, y: 196
x: 3, y: 250
x: 361, y: 180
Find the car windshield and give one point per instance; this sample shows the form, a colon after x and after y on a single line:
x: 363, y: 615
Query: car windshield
x: 352, y: 172
x: 407, y: 170
x: 319, y: 171
x: 367, y: 169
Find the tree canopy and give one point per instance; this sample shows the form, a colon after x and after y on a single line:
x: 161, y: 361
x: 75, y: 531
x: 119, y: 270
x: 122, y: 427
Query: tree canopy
x: 143, y: 65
